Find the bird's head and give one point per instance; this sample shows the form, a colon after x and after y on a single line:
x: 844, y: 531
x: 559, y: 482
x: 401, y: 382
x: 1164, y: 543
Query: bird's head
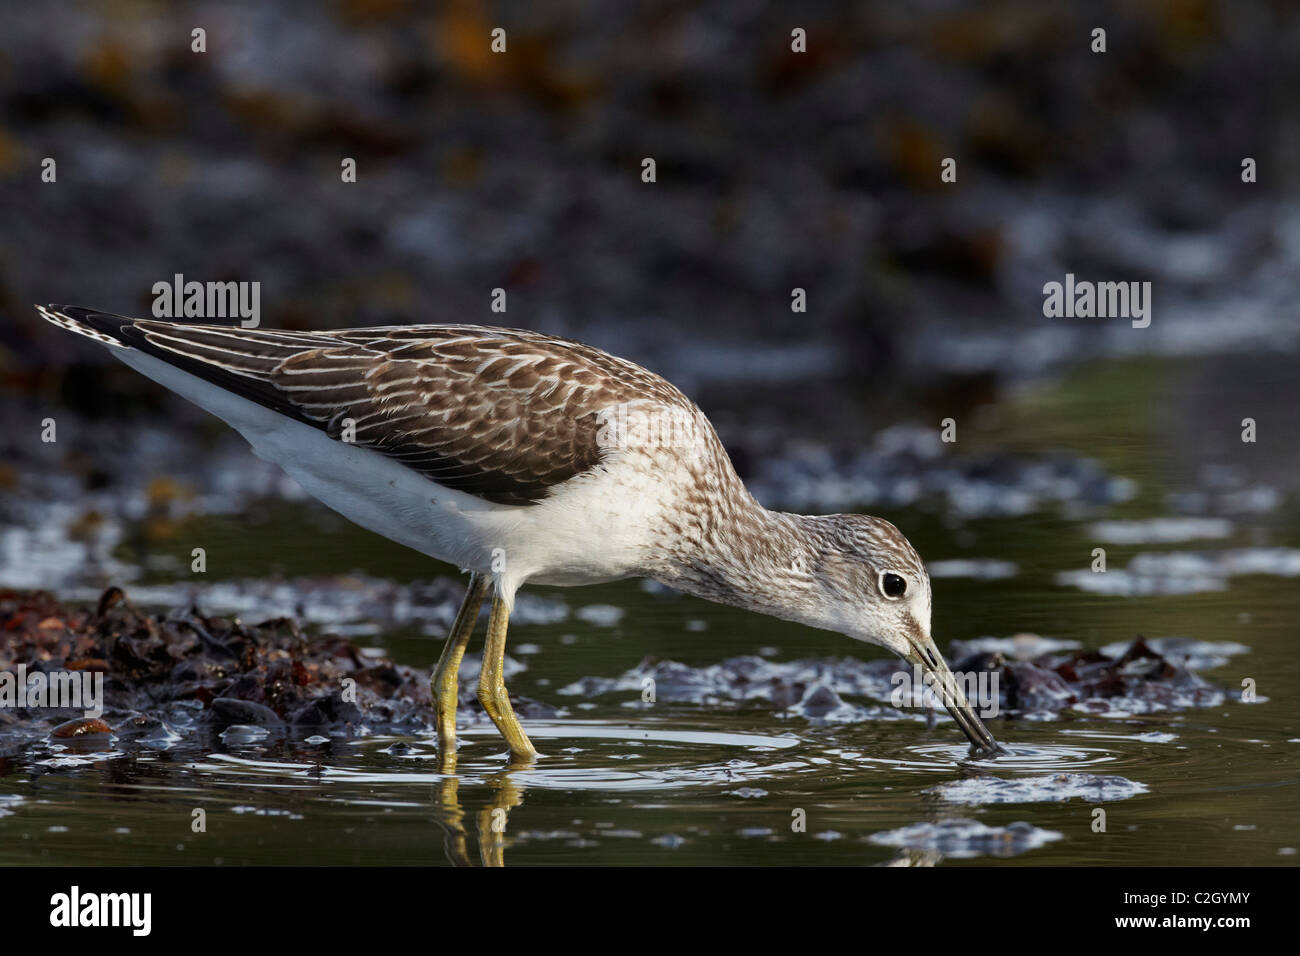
x: 875, y: 588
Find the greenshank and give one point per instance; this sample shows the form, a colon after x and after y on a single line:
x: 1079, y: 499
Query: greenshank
x: 522, y: 457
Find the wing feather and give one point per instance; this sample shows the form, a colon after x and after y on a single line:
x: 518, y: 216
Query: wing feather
x: 503, y: 414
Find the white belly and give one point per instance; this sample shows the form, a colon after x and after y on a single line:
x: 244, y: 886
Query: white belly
x: 593, y: 528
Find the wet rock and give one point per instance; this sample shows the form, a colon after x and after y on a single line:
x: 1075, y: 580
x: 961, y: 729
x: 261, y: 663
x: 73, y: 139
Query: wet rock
x: 327, y: 712
x: 746, y: 678
x: 148, y: 729
x: 141, y: 724
x: 175, y: 674
x: 1134, y: 678
x: 822, y: 704
x: 980, y: 661
x: 1139, y: 681
x: 961, y: 838
x: 197, y: 671
x: 384, y: 680
x: 975, y: 791
x: 245, y: 734
x: 819, y: 701
x: 230, y: 710
x: 1120, y: 680
x: 1187, y: 652
x: 1036, y: 689
x: 80, y: 727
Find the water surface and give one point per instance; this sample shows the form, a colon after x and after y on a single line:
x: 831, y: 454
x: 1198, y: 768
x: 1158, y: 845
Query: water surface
x: 627, y: 782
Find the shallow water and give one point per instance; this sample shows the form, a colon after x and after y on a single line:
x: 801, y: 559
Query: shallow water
x: 730, y: 781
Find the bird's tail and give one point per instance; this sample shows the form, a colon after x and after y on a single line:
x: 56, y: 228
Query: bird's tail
x: 103, y: 327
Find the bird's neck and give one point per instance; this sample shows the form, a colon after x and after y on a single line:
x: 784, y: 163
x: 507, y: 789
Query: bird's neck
x: 746, y: 556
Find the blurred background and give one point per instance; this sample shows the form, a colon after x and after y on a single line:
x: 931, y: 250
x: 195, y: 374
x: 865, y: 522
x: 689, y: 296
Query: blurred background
x: 775, y: 170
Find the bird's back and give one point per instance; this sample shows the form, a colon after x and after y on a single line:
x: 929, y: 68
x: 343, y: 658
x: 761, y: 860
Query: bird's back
x: 505, y: 415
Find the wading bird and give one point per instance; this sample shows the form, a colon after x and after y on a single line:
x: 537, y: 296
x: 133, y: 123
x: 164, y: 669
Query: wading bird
x: 523, y: 457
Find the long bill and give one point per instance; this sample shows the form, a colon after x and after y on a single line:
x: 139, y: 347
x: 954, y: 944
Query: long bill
x: 954, y: 700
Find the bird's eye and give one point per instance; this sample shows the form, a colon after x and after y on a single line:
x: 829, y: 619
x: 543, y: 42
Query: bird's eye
x: 893, y: 586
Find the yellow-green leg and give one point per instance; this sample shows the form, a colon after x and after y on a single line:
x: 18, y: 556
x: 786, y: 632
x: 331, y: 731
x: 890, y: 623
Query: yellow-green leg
x: 446, y: 676
x: 492, y: 693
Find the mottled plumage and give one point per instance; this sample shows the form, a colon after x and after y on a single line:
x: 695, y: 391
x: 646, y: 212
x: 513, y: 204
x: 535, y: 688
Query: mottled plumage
x: 503, y: 414
x: 524, y: 457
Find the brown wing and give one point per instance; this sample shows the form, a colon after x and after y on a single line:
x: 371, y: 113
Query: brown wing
x: 503, y: 414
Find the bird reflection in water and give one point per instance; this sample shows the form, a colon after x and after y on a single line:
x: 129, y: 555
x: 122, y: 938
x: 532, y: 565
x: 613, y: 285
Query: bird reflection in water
x: 491, y: 819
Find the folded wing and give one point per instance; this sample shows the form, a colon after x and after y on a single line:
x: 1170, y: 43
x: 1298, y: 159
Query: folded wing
x: 505, y: 415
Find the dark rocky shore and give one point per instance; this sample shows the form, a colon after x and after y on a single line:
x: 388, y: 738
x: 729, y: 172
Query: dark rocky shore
x: 169, y: 675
